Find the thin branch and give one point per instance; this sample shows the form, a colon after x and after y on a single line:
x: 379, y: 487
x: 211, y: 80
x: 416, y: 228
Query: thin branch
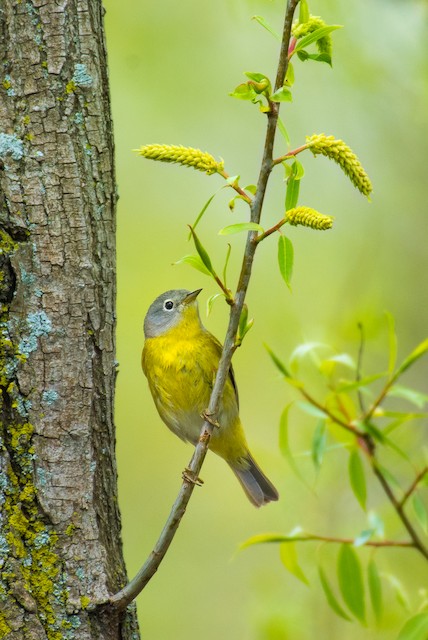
x: 341, y: 423
x: 399, y: 508
x: 360, y: 365
x: 290, y: 154
x: 130, y: 591
x: 269, y: 232
x: 236, y: 186
x: 413, y: 486
x: 369, y: 543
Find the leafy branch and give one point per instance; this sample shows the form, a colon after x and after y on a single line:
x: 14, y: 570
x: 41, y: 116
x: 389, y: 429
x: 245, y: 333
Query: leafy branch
x: 369, y: 431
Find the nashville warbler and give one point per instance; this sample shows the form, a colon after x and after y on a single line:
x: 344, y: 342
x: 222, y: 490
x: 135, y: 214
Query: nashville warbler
x: 180, y: 359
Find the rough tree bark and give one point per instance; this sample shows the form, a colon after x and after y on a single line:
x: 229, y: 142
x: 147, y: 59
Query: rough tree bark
x: 60, y: 547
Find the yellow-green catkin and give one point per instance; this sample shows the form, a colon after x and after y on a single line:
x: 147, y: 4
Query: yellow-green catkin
x: 339, y: 151
x: 187, y: 156
x: 308, y: 217
x: 300, y: 30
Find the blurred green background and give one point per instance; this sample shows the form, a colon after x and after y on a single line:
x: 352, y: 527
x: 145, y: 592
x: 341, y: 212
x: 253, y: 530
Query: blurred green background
x: 172, y: 65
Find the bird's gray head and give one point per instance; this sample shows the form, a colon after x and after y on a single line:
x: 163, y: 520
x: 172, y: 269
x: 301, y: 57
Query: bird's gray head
x: 168, y: 309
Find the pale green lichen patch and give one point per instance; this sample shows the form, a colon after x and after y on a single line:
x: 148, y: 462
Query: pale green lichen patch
x: 81, y: 76
x: 11, y: 146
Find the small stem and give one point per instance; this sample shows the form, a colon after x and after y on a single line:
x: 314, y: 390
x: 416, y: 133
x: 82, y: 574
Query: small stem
x: 349, y: 427
x: 413, y: 486
x: 290, y: 154
x: 269, y: 232
x: 237, y: 188
x: 368, y: 543
x: 227, y: 292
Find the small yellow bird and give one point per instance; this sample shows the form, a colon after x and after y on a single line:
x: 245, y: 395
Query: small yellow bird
x: 180, y: 360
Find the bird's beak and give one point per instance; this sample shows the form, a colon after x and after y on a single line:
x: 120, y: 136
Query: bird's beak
x: 191, y: 296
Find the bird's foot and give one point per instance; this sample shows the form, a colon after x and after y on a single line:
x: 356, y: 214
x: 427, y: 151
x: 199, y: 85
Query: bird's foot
x: 209, y: 418
x: 189, y: 476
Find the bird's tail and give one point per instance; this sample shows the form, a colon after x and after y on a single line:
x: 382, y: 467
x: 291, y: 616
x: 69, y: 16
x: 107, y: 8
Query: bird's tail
x: 256, y: 485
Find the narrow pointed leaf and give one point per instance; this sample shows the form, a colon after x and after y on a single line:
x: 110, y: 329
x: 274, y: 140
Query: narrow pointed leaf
x: 417, y: 353
x: 203, y: 254
x: 288, y: 555
x: 303, y: 12
x: 239, y: 227
x: 415, y: 397
x: 416, y: 628
x: 211, y: 301
x: 284, y: 446
x: 375, y: 589
x: 285, y: 259
x: 266, y: 26
x: 351, y: 581
x: 283, y: 130
x: 364, y: 537
x: 319, y: 442
x: 399, y: 591
x: 331, y: 598
x: 202, y: 211
x: 357, y: 478
x: 195, y: 262
x: 420, y: 512
x: 277, y: 362
x: 316, y: 35
x: 392, y: 341
x: 292, y: 193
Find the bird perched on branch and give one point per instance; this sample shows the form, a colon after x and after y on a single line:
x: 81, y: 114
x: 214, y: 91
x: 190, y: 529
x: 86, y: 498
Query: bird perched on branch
x: 180, y: 359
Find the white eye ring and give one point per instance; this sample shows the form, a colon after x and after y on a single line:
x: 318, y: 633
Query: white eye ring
x: 168, y: 305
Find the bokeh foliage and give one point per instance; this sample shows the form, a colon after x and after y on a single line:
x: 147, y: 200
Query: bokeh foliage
x: 172, y: 67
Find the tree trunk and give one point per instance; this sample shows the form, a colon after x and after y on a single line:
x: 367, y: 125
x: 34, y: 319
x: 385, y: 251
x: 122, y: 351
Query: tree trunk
x: 60, y: 546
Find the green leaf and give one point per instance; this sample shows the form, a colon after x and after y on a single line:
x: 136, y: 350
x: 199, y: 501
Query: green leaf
x: 244, y: 324
x: 265, y: 538
x: 211, y: 301
x: 357, y: 478
x: 289, y: 76
x: 399, y: 591
x: 244, y: 91
x: 319, y: 442
x: 285, y: 259
x: 345, y: 386
x: 416, y: 628
x: 282, y: 95
x: 252, y: 188
x: 417, y: 353
x: 420, y: 512
x: 202, y: 211
x: 266, y: 26
x: 415, y: 397
x: 375, y: 589
x: 195, y: 262
x: 257, y: 77
x: 283, y: 130
x: 316, y: 35
x: 318, y: 57
x: 304, y: 12
x: 298, y: 170
x: 239, y: 227
x: 292, y: 193
x: 351, y: 581
x: 302, y: 350
x: 392, y: 342
x: 203, y: 254
x: 311, y: 410
x: 284, y: 446
x: 278, y: 363
x: 331, y: 598
x: 288, y: 555
x: 226, y: 262
x: 376, y: 524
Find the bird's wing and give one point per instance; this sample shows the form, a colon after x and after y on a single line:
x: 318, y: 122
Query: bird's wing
x: 219, y: 349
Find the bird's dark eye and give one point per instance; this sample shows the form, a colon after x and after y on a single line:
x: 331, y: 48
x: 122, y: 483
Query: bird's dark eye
x: 168, y: 305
